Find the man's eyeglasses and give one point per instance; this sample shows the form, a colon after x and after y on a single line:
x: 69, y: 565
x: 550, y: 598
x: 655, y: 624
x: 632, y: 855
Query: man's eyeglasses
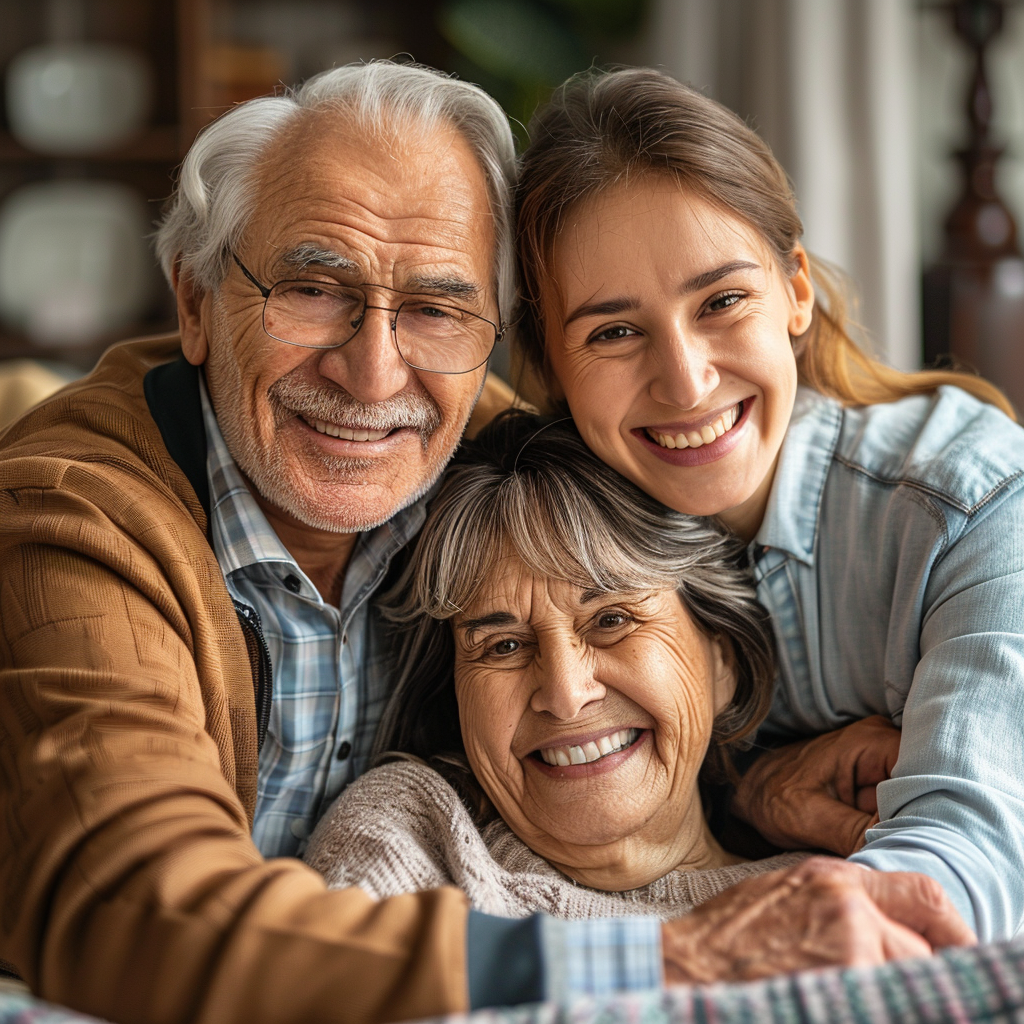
x: 429, y: 335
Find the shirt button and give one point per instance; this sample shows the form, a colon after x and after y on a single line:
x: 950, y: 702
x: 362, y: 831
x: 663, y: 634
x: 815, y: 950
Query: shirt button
x: 293, y: 583
x: 300, y: 829
x: 344, y: 750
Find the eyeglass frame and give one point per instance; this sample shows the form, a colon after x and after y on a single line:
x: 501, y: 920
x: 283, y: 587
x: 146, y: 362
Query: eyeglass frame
x: 499, y: 331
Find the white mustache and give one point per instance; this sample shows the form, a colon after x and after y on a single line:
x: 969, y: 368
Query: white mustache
x: 337, y: 406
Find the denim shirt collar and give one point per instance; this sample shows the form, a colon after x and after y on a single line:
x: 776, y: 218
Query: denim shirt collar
x: 791, y: 519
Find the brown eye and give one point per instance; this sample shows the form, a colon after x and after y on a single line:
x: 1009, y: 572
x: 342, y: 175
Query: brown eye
x: 505, y: 647
x: 610, y: 620
x: 720, y: 302
x: 617, y: 333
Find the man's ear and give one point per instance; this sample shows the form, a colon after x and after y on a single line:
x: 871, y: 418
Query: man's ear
x: 192, y: 323
x: 722, y: 670
x: 801, y: 294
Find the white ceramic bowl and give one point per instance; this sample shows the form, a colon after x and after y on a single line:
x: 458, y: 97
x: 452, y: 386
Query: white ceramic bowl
x: 75, y: 264
x: 77, y: 98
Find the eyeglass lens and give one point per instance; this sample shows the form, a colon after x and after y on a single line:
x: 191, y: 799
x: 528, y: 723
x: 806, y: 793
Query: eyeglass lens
x: 430, y: 335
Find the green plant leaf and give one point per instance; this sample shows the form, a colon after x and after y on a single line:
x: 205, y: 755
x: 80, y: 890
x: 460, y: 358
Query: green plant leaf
x: 517, y: 40
x: 604, y: 16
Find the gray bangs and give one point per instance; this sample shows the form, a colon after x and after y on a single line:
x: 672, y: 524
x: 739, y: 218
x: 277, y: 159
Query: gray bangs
x: 533, y: 490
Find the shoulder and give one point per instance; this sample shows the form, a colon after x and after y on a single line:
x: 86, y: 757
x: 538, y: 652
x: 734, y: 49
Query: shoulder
x: 393, y: 831
x: 948, y: 445
x: 95, y: 454
x: 102, y: 419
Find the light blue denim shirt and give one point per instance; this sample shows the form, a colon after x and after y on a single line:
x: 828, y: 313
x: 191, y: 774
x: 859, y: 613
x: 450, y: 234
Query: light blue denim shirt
x: 891, y: 558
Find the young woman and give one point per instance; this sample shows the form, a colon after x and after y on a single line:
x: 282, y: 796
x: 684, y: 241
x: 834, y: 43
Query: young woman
x: 705, y: 356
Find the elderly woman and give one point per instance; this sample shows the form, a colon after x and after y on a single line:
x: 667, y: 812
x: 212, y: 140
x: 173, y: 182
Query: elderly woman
x: 580, y: 659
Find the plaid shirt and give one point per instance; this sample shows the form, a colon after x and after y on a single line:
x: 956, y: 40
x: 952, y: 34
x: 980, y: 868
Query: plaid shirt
x: 330, y: 670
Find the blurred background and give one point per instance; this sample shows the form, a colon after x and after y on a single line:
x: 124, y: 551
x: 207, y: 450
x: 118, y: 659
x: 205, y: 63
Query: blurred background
x: 865, y: 102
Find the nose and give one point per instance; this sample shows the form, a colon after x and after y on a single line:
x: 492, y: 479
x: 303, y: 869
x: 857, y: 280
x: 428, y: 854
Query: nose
x: 566, y: 683
x: 369, y: 366
x: 683, y: 369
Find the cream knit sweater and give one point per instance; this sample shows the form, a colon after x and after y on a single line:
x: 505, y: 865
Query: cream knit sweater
x: 401, y: 828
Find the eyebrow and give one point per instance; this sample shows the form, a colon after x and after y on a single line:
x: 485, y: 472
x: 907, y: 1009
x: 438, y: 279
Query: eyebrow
x: 444, y: 285
x: 628, y: 303
x: 508, y: 619
x: 494, y: 619
x: 307, y: 255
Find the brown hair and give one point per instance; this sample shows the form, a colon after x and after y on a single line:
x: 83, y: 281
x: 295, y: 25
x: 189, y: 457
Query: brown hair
x: 601, y: 128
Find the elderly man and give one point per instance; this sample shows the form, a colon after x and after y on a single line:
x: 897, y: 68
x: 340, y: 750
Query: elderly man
x: 191, y: 664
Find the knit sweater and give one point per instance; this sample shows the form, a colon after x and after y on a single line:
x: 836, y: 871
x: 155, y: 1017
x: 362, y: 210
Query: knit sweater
x: 402, y: 829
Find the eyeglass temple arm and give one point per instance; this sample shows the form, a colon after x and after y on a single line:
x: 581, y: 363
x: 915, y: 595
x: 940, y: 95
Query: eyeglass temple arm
x: 265, y: 292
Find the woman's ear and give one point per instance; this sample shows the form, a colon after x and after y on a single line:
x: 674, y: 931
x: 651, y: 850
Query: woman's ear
x: 192, y: 323
x: 801, y: 294
x: 722, y: 670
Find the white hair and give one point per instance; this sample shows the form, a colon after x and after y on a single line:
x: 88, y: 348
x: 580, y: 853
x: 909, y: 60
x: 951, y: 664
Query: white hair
x: 214, y: 196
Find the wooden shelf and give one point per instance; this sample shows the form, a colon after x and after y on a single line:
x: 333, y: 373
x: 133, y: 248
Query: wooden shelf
x: 83, y: 357
x: 158, y: 145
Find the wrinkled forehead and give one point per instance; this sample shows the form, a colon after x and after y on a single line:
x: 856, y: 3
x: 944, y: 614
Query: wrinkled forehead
x: 328, y: 176
x: 416, y: 158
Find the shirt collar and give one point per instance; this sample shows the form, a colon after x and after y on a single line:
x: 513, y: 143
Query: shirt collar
x: 244, y: 539
x: 794, y: 505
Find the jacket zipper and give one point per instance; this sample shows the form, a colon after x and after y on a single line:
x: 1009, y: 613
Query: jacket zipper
x: 259, y: 660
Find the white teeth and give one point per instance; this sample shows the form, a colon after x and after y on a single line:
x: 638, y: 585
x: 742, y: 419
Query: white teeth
x: 347, y: 433
x: 591, y: 751
x: 697, y: 438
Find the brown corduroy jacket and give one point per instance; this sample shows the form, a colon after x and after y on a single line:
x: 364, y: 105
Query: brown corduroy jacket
x: 130, y: 885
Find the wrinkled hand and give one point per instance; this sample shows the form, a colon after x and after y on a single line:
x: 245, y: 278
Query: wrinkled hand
x: 820, y: 794
x: 822, y: 913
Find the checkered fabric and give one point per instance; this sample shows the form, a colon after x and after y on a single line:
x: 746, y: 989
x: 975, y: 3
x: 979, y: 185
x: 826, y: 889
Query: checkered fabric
x: 330, y: 665
x: 959, y: 985
x: 600, y: 957
x: 963, y: 985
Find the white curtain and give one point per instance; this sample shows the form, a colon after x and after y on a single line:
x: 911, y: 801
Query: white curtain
x: 830, y: 85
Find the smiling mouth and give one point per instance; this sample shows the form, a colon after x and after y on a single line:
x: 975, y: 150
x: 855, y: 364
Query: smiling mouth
x: 348, y: 433
x: 586, y: 753
x: 707, y: 434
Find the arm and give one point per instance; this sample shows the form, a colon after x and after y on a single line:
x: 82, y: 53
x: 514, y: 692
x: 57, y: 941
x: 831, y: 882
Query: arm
x: 954, y: 808
x: 131, y: 886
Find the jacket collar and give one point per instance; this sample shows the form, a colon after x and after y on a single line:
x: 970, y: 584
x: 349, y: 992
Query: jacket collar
x: 794, y: 506
x: 172, y: 394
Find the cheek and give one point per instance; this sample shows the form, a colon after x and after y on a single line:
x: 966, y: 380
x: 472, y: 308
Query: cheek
x: 488, y: 718
x: 599, y: 394
x: 678, y: 694
x: 454, y: 395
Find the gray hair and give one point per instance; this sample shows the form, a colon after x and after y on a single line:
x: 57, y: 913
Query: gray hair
x: 531, y: 487
x: 214, y: 196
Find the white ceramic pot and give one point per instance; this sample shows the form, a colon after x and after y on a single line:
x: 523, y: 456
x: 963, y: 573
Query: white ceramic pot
x: 77, y: 98
x: 75, y: 263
